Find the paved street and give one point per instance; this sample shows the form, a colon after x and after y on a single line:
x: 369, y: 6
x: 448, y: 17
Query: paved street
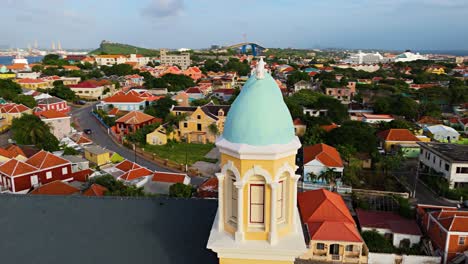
x: 99, y: 136
x: 423, y: 194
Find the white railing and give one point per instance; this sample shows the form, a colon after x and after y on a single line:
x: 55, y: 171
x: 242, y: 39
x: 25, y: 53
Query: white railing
x: 340, y: 188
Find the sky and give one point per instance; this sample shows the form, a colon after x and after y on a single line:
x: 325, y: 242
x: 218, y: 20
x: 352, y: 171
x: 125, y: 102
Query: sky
x: 352, y: 24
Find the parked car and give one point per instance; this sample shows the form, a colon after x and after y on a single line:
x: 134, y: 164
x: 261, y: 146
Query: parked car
x: 87, y: 131
x: 80, y: 102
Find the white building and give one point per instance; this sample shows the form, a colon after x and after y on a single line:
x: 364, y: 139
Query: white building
x: 442, y: 133
x: 314, y: 112
x: 182, y: 60
x: 319, y: 158
x: 450, y: 160
x: 365, y: 58
x: 409, y: 56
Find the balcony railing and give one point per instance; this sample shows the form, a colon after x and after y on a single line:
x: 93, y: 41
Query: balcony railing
x: 340, y: 188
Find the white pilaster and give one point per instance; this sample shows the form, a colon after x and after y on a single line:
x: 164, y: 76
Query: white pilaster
x: 295, y: 211
x: 221, y: 201
x: 273, y: 222
x: 239, y: 236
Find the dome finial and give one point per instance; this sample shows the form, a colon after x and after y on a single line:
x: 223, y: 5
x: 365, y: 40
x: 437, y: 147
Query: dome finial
x: 260, y: 73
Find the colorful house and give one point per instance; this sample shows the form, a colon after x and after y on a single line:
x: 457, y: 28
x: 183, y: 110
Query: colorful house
x: 124, y: 101
x: 59, y: 123
x: 52, y: 103
x: 203, y: 123
x: 257, y: 219
x: 97, y: 155
x: 133, y: 121
x: 399, y: 139
x: 331, y: 232
x: 10, y: 111
x: 160, y: 136
x: 436, y: 69
x: 319, y: 158
x: 299, y: 127
x: 41, y: 168
x: 447, y: 227
x: 194, y: 73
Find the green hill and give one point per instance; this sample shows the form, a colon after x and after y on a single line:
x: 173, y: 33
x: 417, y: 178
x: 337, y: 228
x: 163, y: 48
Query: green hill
x: 107, y: 47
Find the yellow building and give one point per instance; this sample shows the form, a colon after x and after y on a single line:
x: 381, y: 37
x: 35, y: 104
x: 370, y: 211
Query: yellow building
x: 7, y: 75
x: 203, y: 123
x: 257, y: 219
x: 160, y: 136
x: 10, y: 111
x: 97, y: 155
x: 436, y: 69
x: 34, y: 84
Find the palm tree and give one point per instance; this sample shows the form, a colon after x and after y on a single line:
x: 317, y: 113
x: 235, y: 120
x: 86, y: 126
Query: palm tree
x: 330, y: 176
x: 312, y: 177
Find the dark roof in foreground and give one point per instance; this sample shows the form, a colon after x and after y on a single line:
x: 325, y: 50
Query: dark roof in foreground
x: 453, y: 152
x: 77, y: 229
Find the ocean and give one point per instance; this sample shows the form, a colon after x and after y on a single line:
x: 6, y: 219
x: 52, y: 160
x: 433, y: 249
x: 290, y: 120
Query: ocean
x: 6, y: 60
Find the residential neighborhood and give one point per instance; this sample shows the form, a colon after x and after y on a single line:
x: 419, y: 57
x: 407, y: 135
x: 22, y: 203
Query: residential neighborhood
x: 257, y: 154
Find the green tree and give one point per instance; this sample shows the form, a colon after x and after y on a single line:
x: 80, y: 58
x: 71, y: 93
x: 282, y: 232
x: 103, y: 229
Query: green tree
x: 177, y: 82
x: 119, y: 69
x: 27, y: 100
x: 62, y: 91
x: 161, y: 108
x: 31, y: 130
x: 115, y: 187
x: 212, y: 65
x: 296, y: 76
x: 180, y: 190
x: 9, y: 89
x: 242, y: 68
x: 329, y: 176
x: 213, y: 128
x: 358, y: 135
x: 37, y: 68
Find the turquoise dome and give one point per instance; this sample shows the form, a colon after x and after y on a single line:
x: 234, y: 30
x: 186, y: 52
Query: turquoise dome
x: 259, y: 115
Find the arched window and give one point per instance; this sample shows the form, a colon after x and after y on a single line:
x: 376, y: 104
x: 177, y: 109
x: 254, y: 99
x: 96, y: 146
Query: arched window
x: 231, y: 198
x: 281, y: 200
x: 257, y: 201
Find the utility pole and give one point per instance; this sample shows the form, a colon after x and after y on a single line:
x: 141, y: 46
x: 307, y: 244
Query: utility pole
x: 416, y: 181
x: 134, y: 152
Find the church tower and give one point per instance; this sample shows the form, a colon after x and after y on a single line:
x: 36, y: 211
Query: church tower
x: 257, y: 219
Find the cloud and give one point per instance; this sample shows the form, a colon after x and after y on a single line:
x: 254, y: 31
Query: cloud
x: 163, y: 8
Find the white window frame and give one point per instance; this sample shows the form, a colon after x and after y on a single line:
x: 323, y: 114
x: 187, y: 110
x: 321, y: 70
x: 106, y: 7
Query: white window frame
x: 232, y: 192
x: 49, y: 175
x: 64, y: 170
x: 260, y: 204
x: 460, y: 238
x: 34, y: 182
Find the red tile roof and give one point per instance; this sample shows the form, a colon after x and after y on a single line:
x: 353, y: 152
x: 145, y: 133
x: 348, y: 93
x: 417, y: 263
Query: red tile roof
x: 298, y: 122
x: 49, y: 114
x: 113, y: 111
x: 95, y: 190
x: 397, y: 135
x: 15, y: 167
x: 44, y: 159
x: 209, y: 188
x: 193, y: 90
x: 387, y: 220
x: 124, y: 98
x: 86, y: 84
x: 169, y: 177
x: 13, y: 108
x: 136, y: 117
x: 136, y: 173
x: 12, y: 151
x: 327, y: 216
x: 127, y: 165
x: 324, y: 153
x: 55, y: 188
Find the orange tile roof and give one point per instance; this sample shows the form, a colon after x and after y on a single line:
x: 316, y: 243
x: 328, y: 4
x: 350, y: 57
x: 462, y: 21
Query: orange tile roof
x: 327, y: 216
x: 397, y: 135
x: 113, y: 111
x: 456, y: 221
x: 49, y: 114
x: 323, y: 205
x: 71, y: 67
x: 169, y: 177
x: 15, y: 150
x: 136, y: 173
x: 324, y: 153
x: 17, y: 66
x: 29, y: 80
x: 110, y: 56
x: 55, y: 188
x: 330, y: 127
x: 127, y: 165
x: 124, y: 98
x: 44, y: 159
x: 83, y: 140
x: 134, y: 118
x: 429, y: 120
x: 380, y: 116
x: 14, y: 167
x: 95, y: 190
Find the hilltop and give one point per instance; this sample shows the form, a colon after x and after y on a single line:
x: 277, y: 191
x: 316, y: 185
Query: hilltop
x: 118, y: 48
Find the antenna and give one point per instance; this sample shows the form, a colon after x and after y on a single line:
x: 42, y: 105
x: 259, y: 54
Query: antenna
x: 244, y: 37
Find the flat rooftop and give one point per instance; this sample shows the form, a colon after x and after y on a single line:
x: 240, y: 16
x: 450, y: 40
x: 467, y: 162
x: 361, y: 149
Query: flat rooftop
x: 454, y: 152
